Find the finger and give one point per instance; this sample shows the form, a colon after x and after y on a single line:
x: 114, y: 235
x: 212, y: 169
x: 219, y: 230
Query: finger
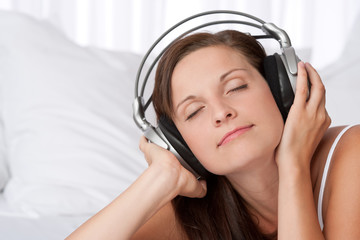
x: 149, y: 149
x: 203, y: 191
x: 142, y: 143
x: 193, y: 187
x: 204, y: 188
x: 317, y: 95
x: 328, y: 119
x: 301, y: 91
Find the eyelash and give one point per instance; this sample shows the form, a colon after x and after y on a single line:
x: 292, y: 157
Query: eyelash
x: 232, y: 90
x: 238, y: 88
x: 193, y: 114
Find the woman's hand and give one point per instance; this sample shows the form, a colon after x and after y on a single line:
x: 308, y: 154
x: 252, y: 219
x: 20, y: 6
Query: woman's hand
x: 178, y: 179
x: 306, y: 123
x: 153, y: 189
x: 305, y: 126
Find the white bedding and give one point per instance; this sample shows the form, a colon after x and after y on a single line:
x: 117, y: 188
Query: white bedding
x: 20, y: 226
x: 68, y: 144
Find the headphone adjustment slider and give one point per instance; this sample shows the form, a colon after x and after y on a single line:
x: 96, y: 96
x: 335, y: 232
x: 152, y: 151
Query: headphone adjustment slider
x: 291, y: 59
x: 278, y: 34
x: 139, y: 115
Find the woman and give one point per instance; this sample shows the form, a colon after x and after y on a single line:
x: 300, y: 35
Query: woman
x: 267, y: 174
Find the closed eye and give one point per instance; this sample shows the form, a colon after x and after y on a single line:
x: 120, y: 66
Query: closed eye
x: 194, y: 113
x: 238, y: 88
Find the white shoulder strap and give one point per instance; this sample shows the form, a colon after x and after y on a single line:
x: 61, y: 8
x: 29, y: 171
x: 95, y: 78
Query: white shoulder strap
x: 325, y: 173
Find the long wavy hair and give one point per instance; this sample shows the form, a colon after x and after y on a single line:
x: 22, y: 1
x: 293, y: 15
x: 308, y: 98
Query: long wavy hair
x: 222, y: 213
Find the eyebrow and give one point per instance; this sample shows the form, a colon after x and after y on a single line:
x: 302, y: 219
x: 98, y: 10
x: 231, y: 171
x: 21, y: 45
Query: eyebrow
x: 184, y: 100
x: 222, y: 78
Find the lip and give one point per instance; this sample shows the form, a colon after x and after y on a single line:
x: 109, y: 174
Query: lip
x: 228, y: 137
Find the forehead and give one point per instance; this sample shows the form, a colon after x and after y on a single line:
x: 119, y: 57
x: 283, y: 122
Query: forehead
x: 210, y: 56
x: 205, y: 65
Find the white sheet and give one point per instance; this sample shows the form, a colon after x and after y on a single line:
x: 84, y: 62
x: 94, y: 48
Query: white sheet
x: 71, y: 142
x: 18, y: 226
x: 63, y: 166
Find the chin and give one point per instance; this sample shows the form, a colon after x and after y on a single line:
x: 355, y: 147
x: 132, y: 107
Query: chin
x: 244, y: 158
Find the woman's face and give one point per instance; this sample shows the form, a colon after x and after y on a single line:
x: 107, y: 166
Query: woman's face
x: 224, y: 110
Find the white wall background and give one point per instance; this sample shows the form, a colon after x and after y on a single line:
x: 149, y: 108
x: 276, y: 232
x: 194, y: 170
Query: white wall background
x: 320, y: 27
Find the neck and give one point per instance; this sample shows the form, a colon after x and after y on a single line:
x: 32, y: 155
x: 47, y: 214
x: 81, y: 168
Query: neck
x: 259, y: 188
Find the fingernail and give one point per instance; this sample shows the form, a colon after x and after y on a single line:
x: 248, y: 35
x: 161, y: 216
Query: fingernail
x: 203, y: 183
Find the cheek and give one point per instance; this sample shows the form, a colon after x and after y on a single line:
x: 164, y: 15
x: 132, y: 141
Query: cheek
x: 196, y: 138
x: 199, y: 139
x: 269, y: 115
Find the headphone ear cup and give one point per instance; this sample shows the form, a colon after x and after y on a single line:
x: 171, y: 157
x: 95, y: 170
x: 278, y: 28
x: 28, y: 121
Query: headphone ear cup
x: 174, y: 137
x: 277, y: 77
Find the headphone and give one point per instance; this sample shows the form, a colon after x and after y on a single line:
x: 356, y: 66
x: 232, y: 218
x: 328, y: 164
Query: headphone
x: 280, y: 71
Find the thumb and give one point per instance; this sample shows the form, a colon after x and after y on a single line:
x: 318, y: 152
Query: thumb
x: 203, y: 188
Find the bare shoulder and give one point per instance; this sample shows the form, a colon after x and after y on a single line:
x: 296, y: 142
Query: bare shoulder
x: 342, y: 191
x: 162, y: 225
x: 321, y: 154
x: 349, y: 141
x: 327, y: 141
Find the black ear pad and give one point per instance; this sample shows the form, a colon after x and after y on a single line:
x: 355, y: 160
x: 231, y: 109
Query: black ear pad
x: 277, y: 77
x: 172, y: 134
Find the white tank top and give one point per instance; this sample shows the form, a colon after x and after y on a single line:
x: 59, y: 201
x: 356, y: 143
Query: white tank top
x: 325, y: 173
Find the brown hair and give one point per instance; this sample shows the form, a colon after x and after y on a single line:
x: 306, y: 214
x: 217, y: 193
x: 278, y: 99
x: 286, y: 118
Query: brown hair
x: 222, y: 213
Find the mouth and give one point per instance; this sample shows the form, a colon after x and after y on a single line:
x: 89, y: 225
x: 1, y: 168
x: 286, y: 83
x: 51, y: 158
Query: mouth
x: 228, y: 137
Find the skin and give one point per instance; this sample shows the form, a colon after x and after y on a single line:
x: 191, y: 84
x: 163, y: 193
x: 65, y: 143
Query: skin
x: 236, y: 96
x: 222, y: 107
x: 277, y: 168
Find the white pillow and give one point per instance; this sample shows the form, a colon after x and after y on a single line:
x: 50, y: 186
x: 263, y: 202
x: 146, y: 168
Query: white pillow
x: 72, y: 145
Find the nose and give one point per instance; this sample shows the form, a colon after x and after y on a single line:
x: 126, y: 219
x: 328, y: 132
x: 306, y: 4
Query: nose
x: 222, y: 112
